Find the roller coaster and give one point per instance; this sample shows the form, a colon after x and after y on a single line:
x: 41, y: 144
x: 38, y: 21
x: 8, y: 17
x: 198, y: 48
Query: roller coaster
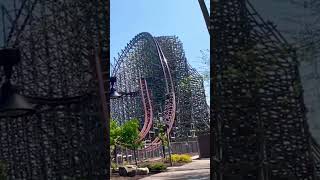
x: 159, y: 86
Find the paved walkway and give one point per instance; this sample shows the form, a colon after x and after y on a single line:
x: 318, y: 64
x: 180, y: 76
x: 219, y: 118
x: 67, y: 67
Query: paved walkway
x: 196, y: 170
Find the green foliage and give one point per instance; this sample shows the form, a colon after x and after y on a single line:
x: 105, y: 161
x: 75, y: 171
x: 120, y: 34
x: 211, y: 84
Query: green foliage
x: 185, y: 158
x: 114, y: 166
x: 3, y: 171
x: 181, y: 158
x: 129, y: 134
x: 157, y: 166
x: 175, y: 158
x: 163, y: 138
x: 126, y: 135
x: 162, y: 135
x: 115, y: 132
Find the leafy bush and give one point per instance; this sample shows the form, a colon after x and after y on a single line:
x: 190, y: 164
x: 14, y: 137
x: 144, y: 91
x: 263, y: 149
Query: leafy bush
x: 155, y: 166
x: 175, y: 158
x: 181, y: 158
x: 185, y: 158
x: 159, y: 166
x: 114, y: 166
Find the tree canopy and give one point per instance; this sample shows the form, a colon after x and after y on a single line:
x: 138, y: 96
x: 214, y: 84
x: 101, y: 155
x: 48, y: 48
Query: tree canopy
x: 126, y: 135
x: 115, y: 132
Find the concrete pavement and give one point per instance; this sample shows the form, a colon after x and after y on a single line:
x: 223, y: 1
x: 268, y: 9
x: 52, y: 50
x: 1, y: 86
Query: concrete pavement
x: 196, y: 170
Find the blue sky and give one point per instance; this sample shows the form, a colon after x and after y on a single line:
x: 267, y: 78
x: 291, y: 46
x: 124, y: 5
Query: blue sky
x: 182, y: 18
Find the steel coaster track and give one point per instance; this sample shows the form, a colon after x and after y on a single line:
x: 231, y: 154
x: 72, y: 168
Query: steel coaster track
x: 170, y: 104
x: 147, y: 109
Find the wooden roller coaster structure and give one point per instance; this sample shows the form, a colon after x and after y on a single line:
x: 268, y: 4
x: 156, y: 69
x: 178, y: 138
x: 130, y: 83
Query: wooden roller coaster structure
x: 144, y: 64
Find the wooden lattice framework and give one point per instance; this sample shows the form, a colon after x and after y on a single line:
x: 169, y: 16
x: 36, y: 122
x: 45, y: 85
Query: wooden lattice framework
x: 259, y: 128
x: 62, y: 45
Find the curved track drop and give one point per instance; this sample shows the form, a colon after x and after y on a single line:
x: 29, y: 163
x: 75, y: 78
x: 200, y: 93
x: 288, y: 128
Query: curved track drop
x: 152, y: 73
x: 170, y: 104
x: 164, y: 93
x: 148, y: 113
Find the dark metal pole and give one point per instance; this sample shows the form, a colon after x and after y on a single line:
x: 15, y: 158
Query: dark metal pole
x: 205, y: 13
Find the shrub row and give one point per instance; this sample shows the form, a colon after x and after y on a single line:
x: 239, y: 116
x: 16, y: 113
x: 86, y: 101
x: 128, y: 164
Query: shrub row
x: 181, y: 158
x: 157, y: 166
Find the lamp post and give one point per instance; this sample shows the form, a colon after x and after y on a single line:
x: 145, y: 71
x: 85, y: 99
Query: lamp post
x: 113, y: 92
x: 114, y: 95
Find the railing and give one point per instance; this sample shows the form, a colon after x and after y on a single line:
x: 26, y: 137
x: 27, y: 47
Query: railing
x: 127, y: 155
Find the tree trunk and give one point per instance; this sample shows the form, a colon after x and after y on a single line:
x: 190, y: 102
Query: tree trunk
x: 115, y: 154
x: 135, y: 156
x: 163, y: 150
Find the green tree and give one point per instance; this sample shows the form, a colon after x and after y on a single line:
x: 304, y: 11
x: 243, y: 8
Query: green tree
x: 115, y: 134
x: 129, y: 136
x: 163, y: 138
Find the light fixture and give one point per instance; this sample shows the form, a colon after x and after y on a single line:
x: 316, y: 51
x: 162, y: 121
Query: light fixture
x: 12, y: 104
x: 113, y: 92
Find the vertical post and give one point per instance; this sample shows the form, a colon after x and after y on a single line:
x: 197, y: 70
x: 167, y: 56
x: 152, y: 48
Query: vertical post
x: 122, y: 161
x: 187, y: 145
x: 135, y: 158
x: 153, y: 153
x: 169, y: 148
x: 116, y: 155
x: 137, y: 155
x: 127, y: 156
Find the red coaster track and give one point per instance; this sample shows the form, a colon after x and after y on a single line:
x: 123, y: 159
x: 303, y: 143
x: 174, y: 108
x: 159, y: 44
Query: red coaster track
x: 148, y: 113
x: 170, y: 104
